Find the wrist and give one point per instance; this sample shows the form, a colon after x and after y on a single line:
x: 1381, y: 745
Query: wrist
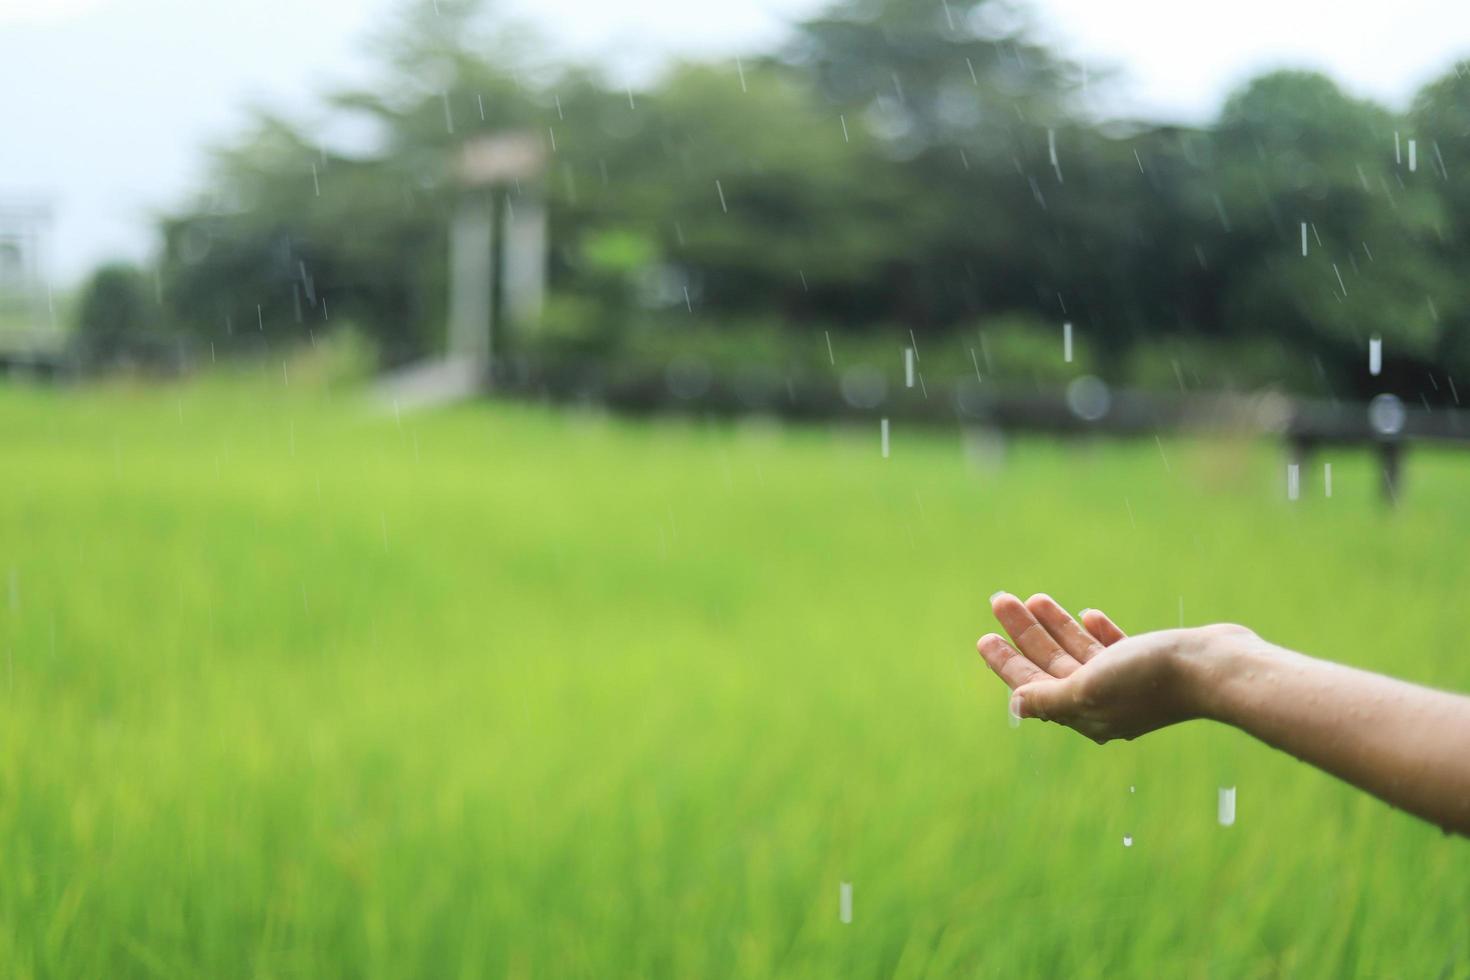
x: 1213, y: 662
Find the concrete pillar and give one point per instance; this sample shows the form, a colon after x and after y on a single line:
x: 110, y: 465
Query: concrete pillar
x: 524, y: 265
x: 471, y: 278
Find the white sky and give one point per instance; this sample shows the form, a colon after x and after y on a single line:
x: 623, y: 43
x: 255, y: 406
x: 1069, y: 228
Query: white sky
x: 105, y: 105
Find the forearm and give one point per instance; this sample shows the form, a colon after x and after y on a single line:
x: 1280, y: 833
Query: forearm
x: 1407, y: 745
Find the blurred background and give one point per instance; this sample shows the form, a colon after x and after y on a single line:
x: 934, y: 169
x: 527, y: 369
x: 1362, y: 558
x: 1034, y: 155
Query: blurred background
x: 724, y: 191
x: 511, y: 489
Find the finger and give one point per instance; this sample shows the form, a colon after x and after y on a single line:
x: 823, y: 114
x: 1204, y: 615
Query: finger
x: 1068, y: 633
x: 1049, y: 699
x: 1100, y: 626
x: 1009, y: 665
x: 1030, y: 637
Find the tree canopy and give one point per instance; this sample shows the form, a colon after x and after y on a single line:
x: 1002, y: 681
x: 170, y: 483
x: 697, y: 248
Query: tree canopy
x: 919, y: 165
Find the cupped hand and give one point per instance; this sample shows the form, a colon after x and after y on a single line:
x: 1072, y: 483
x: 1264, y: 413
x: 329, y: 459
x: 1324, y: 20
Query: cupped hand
x: 1090, y: 675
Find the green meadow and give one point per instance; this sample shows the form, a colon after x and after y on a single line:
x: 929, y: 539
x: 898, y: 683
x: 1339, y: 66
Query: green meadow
x: 293, y: 686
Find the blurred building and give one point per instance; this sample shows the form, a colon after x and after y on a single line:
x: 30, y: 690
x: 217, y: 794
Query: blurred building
x: 25, y: 228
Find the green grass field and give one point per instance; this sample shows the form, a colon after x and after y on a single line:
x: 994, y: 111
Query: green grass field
x: 296, y: 689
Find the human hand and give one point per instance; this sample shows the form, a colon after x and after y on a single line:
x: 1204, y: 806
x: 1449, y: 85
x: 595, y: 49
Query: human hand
x: 1091, y: 676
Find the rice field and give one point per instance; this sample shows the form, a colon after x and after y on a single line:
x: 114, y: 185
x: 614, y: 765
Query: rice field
x: 297, y: 687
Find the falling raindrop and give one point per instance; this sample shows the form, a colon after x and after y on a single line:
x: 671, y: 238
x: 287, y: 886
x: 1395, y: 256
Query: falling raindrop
x: 1387, y: 415
x: 1226, y: 806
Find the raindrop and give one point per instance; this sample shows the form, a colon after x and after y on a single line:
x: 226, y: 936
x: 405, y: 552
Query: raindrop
x: 1387, y: 415
x: 1088, y: 397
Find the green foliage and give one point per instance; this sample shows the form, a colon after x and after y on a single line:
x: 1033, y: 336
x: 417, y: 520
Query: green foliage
x: 617, y: 252
x: 1021, y: 348
x: 1295, y: 150
x: 295, y: 689
x: 1185, y: 363
x: 116, y: 304
x: 915, y: 163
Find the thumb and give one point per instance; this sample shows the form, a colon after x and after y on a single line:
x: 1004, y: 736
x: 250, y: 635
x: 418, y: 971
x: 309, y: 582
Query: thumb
x: 1049, y: 700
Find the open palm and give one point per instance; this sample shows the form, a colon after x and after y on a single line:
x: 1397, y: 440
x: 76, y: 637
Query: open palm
x: 1088, y: 675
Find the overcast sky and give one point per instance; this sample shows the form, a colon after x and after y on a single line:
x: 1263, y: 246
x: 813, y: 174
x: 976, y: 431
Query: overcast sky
x: 105, y: 105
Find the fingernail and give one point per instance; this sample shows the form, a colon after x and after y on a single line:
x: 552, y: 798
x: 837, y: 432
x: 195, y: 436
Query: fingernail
x: 1017, y: 709
x: 996, y: 595
x: 1084, y: 612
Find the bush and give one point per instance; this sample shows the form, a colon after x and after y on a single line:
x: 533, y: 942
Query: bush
x: 118, y: 316
x: 1200, y: 364
x: 1021, y: 349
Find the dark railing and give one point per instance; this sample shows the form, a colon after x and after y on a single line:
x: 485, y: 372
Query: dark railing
x: 1085, y: 407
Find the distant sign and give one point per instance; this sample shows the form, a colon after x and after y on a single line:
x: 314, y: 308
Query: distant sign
x: 497, y: 159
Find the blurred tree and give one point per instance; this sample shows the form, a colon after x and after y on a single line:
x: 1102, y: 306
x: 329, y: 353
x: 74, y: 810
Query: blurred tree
x: 918, y: 164
x: 117, y: 311
x: 1333, y: 237
x: 965, y: 116
x: 292, y: 237
x: 1440, y: 122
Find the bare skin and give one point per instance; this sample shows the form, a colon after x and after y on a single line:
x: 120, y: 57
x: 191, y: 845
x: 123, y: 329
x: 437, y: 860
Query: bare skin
x: 1408, y: 745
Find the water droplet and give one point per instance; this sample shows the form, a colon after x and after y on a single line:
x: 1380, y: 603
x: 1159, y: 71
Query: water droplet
x: 1226, y: 810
